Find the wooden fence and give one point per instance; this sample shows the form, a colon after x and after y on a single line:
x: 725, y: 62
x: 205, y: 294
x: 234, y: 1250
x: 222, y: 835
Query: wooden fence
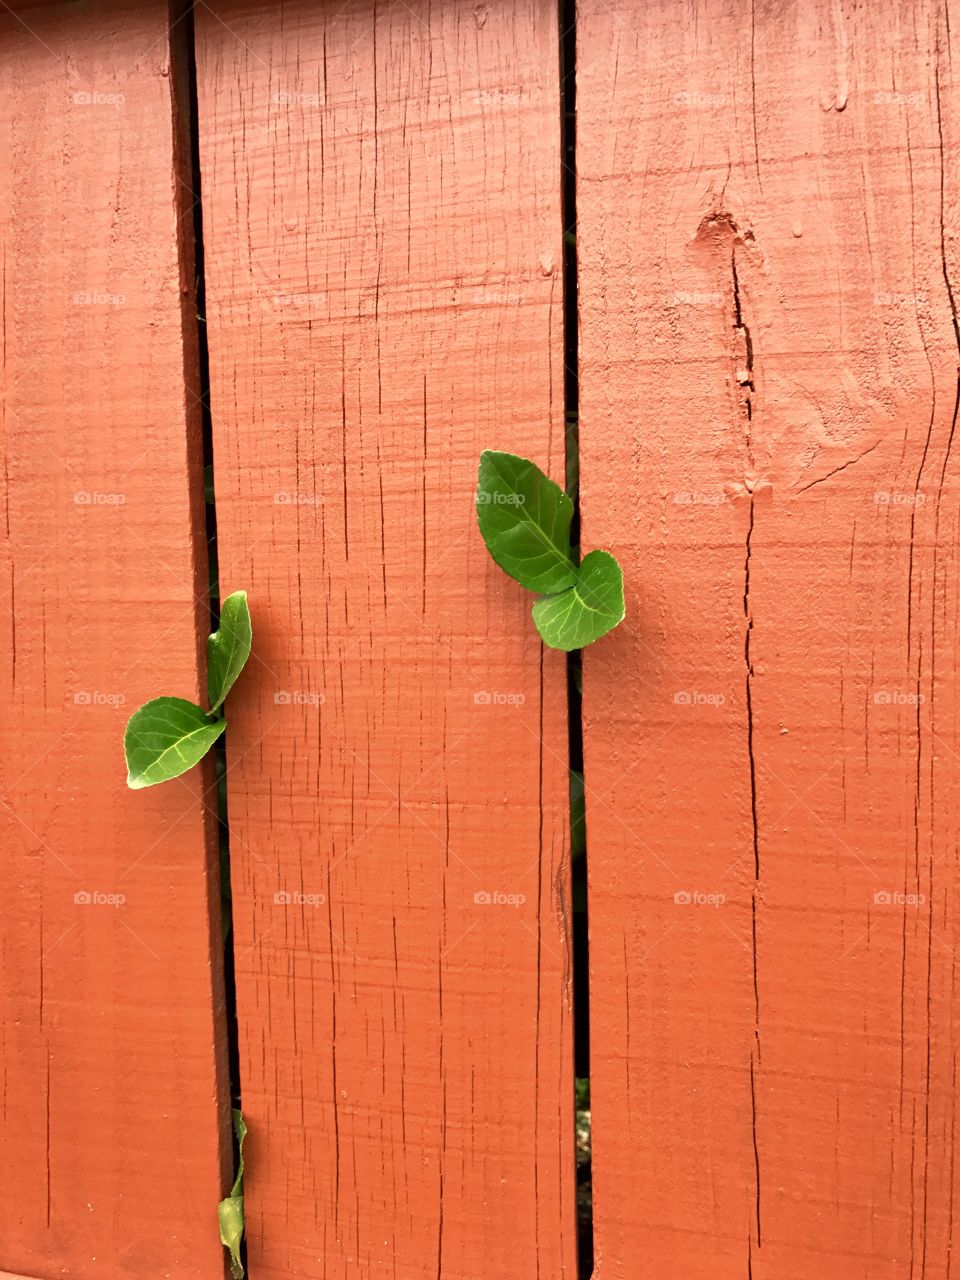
x: 767, y: 251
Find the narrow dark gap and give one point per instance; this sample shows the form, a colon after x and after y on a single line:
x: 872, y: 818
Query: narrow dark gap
x: 578, y: 829
x: 183, y: 46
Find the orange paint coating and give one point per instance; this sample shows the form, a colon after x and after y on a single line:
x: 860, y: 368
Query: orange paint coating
x: 109, y: 1064
x: 767, y: 243
x: 382, y: 228
x: 767, y: 231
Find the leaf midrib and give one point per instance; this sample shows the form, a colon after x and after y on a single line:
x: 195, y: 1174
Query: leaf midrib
x: 227, y: 665
x: 158, y: 760
x: 557, y: 548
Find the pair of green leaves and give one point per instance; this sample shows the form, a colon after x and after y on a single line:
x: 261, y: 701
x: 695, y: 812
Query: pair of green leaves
x: 168, y: 736
x: 230, y: 1210
x: 525, y: 521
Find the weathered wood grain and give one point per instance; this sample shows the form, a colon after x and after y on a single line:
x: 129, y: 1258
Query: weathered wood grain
x: 111, y: 1110
x: 382, y: 228
x: 768, y: 245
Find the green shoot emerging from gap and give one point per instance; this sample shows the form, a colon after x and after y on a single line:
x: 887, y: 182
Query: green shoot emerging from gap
x: 525, y: 520
x: 167, y: 736
x: 230, y: 1210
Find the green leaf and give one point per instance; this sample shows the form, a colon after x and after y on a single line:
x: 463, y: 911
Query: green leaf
x: 230, y: 1210
x: 230, y: 1216
x: 525, y: 521
x: 229, y: 648
x: 166, y: 737
x: 240, y: 1129
x: 587, y: 610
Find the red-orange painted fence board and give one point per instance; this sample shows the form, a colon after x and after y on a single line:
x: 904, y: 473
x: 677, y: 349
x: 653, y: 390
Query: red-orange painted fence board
x: 768, y: 250
x: 383, y: 246
x: 110, y: 1123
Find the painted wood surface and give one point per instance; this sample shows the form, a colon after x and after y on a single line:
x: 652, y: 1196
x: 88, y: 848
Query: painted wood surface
x: 110, y: 1124
x: 382, y: 234
x: 768, y: 246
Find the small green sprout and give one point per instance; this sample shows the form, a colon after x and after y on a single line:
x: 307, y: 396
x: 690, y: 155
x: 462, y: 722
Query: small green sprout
x: 230, y: 1210
x: 167, y: 736
x: 525, y: 521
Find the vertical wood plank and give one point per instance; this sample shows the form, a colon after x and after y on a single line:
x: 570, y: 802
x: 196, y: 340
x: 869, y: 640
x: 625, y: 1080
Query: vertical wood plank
x: 383, y: 240
x: 768, y: 246
x: 110, y: 1099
